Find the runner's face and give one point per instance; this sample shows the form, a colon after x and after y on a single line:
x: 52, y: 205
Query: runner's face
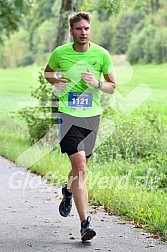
x: 81, y: 32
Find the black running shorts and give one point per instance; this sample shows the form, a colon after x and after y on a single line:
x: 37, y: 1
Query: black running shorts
x: 77, y: 133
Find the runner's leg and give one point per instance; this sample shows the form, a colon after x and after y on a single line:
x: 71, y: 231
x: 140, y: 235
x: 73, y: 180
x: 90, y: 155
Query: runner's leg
x: 78, y: 185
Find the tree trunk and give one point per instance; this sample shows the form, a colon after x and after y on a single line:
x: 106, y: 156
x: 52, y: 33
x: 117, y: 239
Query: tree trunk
x: 63, y: 31
x: 155, y: 5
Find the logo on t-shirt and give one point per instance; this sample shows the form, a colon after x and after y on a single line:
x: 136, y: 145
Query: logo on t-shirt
x: 94, y: 63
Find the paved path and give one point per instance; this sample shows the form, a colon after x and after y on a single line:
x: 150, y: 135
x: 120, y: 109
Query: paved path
x: 29, y: 220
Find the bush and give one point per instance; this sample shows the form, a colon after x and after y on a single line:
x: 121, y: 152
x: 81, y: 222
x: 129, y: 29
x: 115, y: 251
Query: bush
x: 124, y: 30
x: 16, y: 48
x: 39, y: 119
x: 139, y: 136
x: 140, y: 48
x: 26, y: 60
x: 159, y: 47
x: 148, y: 46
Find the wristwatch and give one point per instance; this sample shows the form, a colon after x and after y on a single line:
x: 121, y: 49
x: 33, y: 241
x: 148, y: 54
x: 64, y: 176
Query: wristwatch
x: 100, y: 84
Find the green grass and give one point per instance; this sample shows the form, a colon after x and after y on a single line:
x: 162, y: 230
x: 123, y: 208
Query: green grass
x: 16, y: 86
x: 155, y: 77
x: 135, y: 190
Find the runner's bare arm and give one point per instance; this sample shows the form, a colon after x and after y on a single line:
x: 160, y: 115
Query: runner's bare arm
x: 108, y: 86
x: 50, y: 75
x: 52, y: 78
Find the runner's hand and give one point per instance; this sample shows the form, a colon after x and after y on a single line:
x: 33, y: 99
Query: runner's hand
x: 62, y: 83
x: 89, y: 78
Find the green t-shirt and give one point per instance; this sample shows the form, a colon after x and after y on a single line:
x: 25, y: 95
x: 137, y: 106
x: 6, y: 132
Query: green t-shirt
x: 79, y: 98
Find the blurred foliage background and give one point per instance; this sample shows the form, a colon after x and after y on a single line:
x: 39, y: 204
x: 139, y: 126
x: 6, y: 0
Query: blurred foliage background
x: 29, y: 29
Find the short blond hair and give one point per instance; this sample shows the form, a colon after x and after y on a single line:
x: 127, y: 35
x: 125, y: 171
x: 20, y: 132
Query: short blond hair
x: 78, y: 16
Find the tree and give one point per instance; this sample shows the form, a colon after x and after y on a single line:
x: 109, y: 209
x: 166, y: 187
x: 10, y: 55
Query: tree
x: 16, y: 49
x: 124, y: 29
x: 103, y: 35
x: 141, y: 46
x: 159, y: 46
x: 147, y: 6
x: 153, y: 5
x: 63, y: 33
x: 105, y: 6
x: 12, y: 13
x: 44, y: 40
x: 41, y: 11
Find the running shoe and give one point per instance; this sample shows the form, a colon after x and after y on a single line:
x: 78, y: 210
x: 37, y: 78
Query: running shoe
x: 66, y: 203
x: 87, y: 232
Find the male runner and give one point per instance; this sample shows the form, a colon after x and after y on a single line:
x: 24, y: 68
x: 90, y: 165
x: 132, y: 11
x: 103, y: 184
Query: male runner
x: 80, y: 87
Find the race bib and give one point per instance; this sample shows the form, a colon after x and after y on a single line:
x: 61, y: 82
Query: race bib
x: 77, y: 100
